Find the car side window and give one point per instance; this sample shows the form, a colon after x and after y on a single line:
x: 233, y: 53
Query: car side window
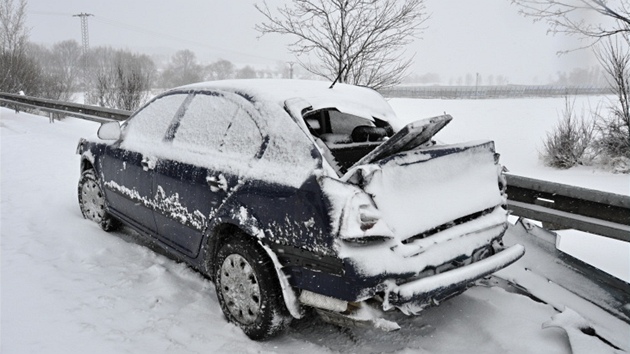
x: 243, y: 136
x: 214, y: 124
x: 149, y: 125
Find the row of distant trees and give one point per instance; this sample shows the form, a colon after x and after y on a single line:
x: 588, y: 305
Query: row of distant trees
x: 109, y: 77
x: 184, y: 68
x: 593, y: 76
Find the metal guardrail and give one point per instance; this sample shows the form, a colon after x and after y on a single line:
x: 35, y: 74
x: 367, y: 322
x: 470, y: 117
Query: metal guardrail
x: 570, y: 207
x: 565, y: 206
x: 93, y: 113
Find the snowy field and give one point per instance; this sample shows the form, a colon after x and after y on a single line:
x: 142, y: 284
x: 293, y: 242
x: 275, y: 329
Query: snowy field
x: 68, y: 287
x: 518, y: 127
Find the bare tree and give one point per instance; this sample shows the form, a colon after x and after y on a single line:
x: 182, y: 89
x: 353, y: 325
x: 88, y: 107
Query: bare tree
x: 182, y: 69
x: 573, y: 17
x: 220, y: 70
x: 60, y: 69
x: 357, y: 41
x: 614, y: 139
x: 13, y: 31
x: 66, y: 64
x: 246, y: 72
x: 569, y: 143
x: 18, y: 72
x: 125, y: 82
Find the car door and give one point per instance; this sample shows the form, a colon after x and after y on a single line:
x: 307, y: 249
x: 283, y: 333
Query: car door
x: 128, y: 165
x: 212, y: 146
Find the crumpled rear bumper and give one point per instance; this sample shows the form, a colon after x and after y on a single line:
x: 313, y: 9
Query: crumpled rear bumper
x: 415, y: 295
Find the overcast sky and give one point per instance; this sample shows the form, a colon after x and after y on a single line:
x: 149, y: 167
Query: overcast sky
x: 488, y: 37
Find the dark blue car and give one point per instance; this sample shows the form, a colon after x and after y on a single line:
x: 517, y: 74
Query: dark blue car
x: 292, y: 195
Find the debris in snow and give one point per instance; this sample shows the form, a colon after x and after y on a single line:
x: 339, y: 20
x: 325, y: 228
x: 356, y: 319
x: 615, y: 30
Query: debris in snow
x: 583, y: 338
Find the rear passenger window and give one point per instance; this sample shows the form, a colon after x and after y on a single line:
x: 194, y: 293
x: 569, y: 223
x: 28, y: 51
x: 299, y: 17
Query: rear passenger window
x: 205, y: 123
x: 215, y: 124
x: 149, y: 125
x: 243, y: 136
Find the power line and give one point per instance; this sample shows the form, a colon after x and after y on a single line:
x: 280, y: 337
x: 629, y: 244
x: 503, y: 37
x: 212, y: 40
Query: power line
x: 145, y: 31
x: 49, y: 13
x: 125, y: 26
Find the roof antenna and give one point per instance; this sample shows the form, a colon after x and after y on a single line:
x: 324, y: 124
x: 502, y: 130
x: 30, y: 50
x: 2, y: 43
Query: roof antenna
x: 338, y: 76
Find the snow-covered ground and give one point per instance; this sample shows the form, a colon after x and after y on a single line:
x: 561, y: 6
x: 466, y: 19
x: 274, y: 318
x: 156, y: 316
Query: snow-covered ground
x: 68, y: 287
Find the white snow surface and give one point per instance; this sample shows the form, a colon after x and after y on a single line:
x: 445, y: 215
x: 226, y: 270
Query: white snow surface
x: 581, y: 343
x: 69, y: 287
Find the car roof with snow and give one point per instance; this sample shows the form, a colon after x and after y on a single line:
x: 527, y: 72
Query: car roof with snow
x: 359, y: 101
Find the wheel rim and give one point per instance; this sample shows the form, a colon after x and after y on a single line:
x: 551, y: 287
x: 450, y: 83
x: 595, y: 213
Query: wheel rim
x: 240, y: 289
x: 92, y: 201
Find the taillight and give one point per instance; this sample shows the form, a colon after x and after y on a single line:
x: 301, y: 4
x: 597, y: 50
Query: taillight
x: 367, y: 217
x: 501, y: 173
x: 363, y: 222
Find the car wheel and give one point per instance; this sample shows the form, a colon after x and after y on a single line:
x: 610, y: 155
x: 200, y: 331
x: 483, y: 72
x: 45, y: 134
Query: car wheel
x: 248, y: 289
x: 92, y: 202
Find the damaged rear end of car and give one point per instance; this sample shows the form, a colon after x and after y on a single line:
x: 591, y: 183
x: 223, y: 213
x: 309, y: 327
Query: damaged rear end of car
x: 415, y: 223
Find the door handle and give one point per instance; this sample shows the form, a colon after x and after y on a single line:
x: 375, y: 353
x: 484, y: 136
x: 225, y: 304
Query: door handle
x: 148, y: 163
x: 217, y: 183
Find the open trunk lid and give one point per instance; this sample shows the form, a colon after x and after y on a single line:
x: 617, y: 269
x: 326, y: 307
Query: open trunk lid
x: 409, y: 137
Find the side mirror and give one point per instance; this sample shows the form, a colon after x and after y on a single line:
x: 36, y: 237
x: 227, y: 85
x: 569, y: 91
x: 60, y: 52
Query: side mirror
x: 109, y: 131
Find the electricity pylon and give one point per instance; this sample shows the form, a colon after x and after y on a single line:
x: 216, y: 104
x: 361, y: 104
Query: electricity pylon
x: 85, y: 37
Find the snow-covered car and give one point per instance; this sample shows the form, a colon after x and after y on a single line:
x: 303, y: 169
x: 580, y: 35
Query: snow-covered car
x: 292, y: 195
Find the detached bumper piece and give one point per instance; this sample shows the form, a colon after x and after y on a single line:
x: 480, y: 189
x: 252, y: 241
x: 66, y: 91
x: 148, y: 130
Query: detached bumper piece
x: 412, y: 297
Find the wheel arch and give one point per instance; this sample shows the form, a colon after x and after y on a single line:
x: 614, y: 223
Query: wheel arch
x: 86, y: 164
x: 222, y: 232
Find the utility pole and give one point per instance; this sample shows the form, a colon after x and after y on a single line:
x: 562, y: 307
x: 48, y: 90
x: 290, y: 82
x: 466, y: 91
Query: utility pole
x: 291, y: 63
x: 477, y: 86
x: 85, y: 38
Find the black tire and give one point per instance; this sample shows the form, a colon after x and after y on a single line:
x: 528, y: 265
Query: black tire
x: 92, y: 202
x: 248, y: 289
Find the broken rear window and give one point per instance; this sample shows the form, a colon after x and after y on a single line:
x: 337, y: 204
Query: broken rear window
x: 348, y: 137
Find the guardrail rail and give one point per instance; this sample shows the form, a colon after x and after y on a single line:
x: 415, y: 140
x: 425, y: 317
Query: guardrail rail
x: 93, y: 113
x: 570, y: 207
